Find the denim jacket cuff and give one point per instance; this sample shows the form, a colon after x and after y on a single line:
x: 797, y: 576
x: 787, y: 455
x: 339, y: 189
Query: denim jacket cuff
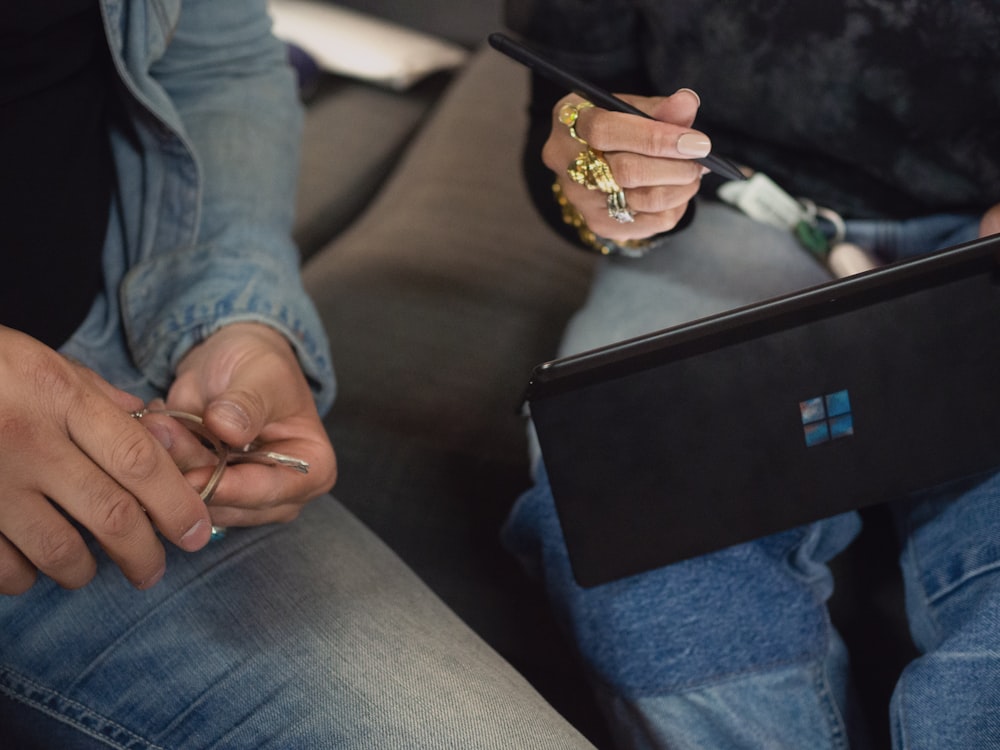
x: 166, y: 319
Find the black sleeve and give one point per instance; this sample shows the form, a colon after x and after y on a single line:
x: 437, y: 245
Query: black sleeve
x: 596, y: 40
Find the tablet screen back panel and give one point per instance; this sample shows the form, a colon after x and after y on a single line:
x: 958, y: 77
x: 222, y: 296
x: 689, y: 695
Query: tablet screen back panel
x: 765, y: 418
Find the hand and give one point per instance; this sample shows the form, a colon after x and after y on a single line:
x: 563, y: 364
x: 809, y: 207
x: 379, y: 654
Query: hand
x: 652, y: 161
x: 990, y: 223
x: 67, y: 443
x: 246, y: 382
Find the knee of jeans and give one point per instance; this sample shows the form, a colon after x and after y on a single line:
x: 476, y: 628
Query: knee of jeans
x: 733, y: 612
x: 951, y: 565
x: 965, y: 617
x: 948, y: 699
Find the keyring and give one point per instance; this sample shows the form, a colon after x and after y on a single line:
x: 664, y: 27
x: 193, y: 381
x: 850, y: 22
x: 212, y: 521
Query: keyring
x: 225, y: 454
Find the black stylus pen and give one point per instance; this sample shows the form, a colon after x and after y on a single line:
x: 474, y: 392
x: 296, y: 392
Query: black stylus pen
x: 517, y: 51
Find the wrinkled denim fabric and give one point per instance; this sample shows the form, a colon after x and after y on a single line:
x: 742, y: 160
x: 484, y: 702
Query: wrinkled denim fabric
x: 200, y: 229
x: 306, y: 635
x: 735, y: 649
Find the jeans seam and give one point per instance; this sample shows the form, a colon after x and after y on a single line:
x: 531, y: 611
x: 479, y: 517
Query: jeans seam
x: 54, y: 704
x: 834, y: 716
x: 910, y: 551
x: 957, y: 584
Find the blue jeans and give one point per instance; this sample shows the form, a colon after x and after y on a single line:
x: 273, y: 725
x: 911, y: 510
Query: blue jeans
x: 306, y: 635
x: 736, y: 649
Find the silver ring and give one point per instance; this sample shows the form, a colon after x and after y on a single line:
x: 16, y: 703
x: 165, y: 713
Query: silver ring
x: 618, y: 208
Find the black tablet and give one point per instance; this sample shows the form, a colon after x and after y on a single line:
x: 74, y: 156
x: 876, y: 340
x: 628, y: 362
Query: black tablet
x: 735, y: 426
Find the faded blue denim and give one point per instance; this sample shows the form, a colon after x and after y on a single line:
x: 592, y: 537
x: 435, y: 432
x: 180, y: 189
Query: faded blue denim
x: 305, y: 635
x: 736, y: 649
x: 199, y: 234
x: 282, y: 637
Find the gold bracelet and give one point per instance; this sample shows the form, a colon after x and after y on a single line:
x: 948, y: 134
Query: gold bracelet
x: 572, y: 216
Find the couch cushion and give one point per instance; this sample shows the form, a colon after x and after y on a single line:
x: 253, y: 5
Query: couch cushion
x: 444, y: 294
x: 467, y: 23
x: 352, y: 138
x: 438, y: 301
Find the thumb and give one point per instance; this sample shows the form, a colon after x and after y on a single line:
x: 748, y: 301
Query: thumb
x: 236, y: 416
x: 232, y: 376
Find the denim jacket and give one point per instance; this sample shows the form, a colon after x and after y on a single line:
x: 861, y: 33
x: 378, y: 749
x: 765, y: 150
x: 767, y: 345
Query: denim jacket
x: 200, y: 228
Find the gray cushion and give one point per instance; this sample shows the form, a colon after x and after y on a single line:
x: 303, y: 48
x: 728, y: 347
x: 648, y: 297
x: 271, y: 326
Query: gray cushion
x: 438, y: 301
x: 466, y: 23
x: 354, y: 133
x: 444, y: 294
x: 352, y: 137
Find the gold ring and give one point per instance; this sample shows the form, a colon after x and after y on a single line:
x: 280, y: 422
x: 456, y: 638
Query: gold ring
x: 568, y: 115
x: 591, y: 170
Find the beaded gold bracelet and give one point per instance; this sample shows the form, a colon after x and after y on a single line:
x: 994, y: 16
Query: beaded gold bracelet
x: 572, y: 216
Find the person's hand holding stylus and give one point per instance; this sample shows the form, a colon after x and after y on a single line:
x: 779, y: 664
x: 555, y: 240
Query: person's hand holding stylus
x: 629, y: 165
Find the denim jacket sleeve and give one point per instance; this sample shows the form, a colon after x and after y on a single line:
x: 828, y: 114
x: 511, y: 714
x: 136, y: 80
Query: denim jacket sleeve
x: 207, y: 178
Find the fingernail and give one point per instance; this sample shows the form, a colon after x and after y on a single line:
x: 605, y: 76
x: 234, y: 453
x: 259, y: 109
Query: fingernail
x: 693, y: 93
x: 232, y: 414
x: 190, y: 541
x: 694, y: 144
x: 152, y: 580
x: 162, y: 435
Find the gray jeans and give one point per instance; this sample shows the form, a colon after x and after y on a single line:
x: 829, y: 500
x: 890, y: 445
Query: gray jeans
x: 307, y: 635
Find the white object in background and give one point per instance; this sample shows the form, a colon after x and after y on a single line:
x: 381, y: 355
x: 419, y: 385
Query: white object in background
x: 847, y: 259
x: 762, y: 200
x: 357, y: 45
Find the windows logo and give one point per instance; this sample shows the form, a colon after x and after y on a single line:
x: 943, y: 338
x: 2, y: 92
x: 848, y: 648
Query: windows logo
x: 827, y: 418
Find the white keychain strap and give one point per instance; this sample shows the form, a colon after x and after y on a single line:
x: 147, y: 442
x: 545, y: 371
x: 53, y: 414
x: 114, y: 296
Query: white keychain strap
x: 763, y: 200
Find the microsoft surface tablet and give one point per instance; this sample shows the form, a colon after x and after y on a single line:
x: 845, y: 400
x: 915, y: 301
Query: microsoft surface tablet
x: 742, y: 424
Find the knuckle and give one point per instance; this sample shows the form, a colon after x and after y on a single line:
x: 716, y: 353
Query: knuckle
x: 628, y: 170
x: 58, y: 549
x: 134, y: 455
x: 52, y: 375
x: 50, y: 381
x: 660, y: 140
x: 595, y: 129
x: 17, y: 430
x: 116, y: 513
